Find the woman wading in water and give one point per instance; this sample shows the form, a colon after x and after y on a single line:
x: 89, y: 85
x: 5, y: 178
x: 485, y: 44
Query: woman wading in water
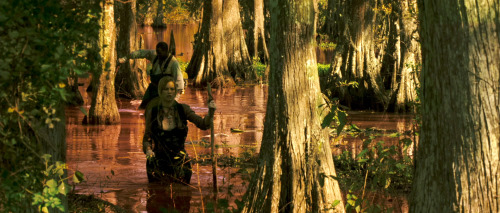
x: 166, y: 131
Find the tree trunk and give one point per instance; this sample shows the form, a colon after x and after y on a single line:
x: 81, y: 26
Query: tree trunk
x: 103, y: 109
x: 209, y: 61
x: 295, y: 171
x: 239, y: 62
x: 408, y: 57
x: 72, y: 88
x: 457, y: 164
x: 158, y: 19
x: 131, y: 79
x: 375, y: 44
x: 258, y: 31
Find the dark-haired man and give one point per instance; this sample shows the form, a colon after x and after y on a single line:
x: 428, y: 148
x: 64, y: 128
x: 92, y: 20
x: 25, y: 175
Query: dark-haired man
x: 164, y: 64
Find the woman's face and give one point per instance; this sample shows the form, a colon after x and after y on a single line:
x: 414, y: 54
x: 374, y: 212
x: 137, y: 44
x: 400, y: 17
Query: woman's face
x: 168, y: 92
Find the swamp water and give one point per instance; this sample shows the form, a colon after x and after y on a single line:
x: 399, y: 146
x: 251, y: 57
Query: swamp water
x: 113, y: 163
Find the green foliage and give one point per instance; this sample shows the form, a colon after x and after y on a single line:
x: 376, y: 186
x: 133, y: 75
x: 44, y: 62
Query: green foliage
x: 174, y: 11
x: 53, y: 185
x: 41, y: 46
x: 259, y: 67
x: 336, y: 118
x: 323, y: 69
x: 327, y: 45
x: 377, y: 168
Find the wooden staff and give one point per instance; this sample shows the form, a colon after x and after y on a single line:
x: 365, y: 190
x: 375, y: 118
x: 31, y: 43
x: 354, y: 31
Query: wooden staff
x: 214, y: 159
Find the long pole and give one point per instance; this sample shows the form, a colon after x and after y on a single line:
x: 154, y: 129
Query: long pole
x: 212, y: 141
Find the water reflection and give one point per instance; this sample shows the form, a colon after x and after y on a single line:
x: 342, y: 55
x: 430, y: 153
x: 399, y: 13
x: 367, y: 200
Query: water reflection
x: 168, y: 198
x: 379, y: 125
x: 112, y: 160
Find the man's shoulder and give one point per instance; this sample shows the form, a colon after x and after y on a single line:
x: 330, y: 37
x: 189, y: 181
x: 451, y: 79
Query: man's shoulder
x: 174, y: 59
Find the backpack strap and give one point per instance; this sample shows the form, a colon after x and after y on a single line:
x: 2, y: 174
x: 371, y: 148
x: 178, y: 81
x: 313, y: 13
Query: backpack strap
x: 165, y: 64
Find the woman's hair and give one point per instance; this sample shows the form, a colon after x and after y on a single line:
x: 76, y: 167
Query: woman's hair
x: 163, y: 83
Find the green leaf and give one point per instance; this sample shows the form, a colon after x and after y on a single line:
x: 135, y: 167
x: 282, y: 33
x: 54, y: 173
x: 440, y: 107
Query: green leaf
x: 387, y: 183
x: 335, y: 203
x: 60, y: 166
x: 354, y: 128
x: 14, y: 34
x: 84, y: 111
x: 362, y: 153
x: 362, y: 160
x: 400, y: 166
x: 63, y: 188
x: 46, y: 157
x: 395, y: 135
x: 52, y: 184
x: 112, y: 172
x: 328, y: 118
x: 45, y: 67
x: 351, y: 202
x: 78, y: 177
x: 342, y: 121
x: 236, y: 130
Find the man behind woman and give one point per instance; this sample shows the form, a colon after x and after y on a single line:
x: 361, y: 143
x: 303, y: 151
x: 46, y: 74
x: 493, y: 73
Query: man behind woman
x: 166, y: 131
x: 164, y: 64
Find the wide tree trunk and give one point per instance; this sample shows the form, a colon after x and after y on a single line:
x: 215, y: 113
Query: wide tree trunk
x: 131, y: 79
x: 239, y: 62
x: 295, y: 171
x: 376, y: 43
x: 209, y: 61
x: 103, y: 109
x: 457, y: 164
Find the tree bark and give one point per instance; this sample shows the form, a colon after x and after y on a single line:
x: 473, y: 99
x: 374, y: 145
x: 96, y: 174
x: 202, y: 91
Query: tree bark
x: 375, y: 45
x: 103, y: 109
x: 159, y: 18
x: 408, y: 57
x: 209, y: 61
x: 258, y: 31
x: 239, y: 62
x: 131, y: 78
x: 457, y: 164
x: 295, y: 167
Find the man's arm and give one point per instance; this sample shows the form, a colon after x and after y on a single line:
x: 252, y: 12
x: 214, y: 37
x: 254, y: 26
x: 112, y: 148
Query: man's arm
x: 147, y: 54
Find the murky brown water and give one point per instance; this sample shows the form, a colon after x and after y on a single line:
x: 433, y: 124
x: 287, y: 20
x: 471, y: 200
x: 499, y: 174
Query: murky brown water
x: 113, y: 163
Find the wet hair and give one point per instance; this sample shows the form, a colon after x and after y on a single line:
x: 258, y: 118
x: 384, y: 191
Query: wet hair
x: 163, y: 83
x: 162, y: 45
